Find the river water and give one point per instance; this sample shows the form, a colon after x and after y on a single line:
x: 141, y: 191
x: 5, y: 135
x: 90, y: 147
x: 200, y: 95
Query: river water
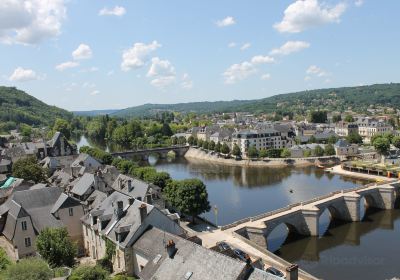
x: 367, y: 250
x: 364, y: 250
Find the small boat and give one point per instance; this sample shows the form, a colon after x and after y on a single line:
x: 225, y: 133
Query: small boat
x: 291, y: 191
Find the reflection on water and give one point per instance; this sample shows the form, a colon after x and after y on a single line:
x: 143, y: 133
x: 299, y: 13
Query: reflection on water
x: 363, y: 250
x: 241, y: 192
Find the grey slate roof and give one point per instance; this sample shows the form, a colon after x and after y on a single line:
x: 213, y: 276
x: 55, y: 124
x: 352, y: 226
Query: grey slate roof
x: 64, y: 201
x: 138, y: 188
x: 200, y: 262
x: 96, y: 198
x: 82, y: 184
x: 34, y: 203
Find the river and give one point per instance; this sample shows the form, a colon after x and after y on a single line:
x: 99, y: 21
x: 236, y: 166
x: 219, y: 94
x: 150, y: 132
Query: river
x: 364, y: 250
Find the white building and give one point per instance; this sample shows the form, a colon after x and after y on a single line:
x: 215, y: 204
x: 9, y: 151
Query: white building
x: 260, y: 139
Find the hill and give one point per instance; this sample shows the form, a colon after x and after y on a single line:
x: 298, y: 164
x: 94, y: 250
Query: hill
x: 358, y: 98
x: 18, y: 107
x: 95, y: 112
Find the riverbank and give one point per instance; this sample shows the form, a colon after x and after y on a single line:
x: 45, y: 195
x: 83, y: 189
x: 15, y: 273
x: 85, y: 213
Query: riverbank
x: 340, y: 171
x: 200, y: 154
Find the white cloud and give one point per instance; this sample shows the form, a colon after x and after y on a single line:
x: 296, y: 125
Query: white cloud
x: 67, y: 65
x: 187, y: 82
x: 30, y: 21
x: 290, y: 47
x: 238, y: 72
x: 110, y: 73
x: 116, y: 11
x: 359, y: 3
x: 94, y: 92
x: 88, y: 85
x: 226, y: 22
x: 137, y: 56
x: 231, y: 45
x: 305, y: 14
x: 245, y: 46
x: 260, y: 59
x: 23, y: 75
x: 307, y: 78
x: 162, y: 73
x: 315, y: 70
x: 265, y: 77
x: 82, y: 52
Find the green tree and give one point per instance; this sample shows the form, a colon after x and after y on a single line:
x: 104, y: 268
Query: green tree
x: 329, y: 150
x: 205, y: 145
x: 332, y: 139
x: 318, y: 151
x: 28, y: 269
x: 191, y: 140
x: 29, y: 169
x: 286, y: 153
x: 263, y: 153
x: 86, y: 272
x: 274, y: 153
x: 318, y: 117
x: 160, y: 179
x: 307, y: 153
x: 348, y: 118
x: 123, y: 277
x: 225, y: 149
x: 218, y: 147
x: 174, y: 140
x: 396, y: 141
x: 336, y: 118
x: 211, y: 145
x: 62, y: 126
x: 166, y: 130
x: 312, y: 139
x: 54, y: 245
x: 354, y: 138
x: 200, y: 142
x: 382, y: 145
x: 252, y: 152
x: 236, y: 150
x: 188, y: 196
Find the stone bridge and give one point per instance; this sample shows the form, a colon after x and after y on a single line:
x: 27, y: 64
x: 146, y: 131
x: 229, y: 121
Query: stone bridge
x: 302, y: 219
x: 145, y: 153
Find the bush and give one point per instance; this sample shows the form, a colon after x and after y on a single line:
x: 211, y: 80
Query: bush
x: 28, y: 269
x: 86, y: 272
x: 4, y: 260
x: 100, y: 155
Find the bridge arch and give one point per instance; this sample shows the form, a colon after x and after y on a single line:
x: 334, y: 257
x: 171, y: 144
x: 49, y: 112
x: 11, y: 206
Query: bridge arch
x: 280, y: 234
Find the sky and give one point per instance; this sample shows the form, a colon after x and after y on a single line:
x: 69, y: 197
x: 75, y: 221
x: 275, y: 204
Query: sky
x: 87, y: 55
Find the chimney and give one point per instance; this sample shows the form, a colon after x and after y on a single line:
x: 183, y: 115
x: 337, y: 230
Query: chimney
x: 131, y: 200
x: 130, y: 187
x: 143, y: 212
x: 120, y: 208
x: 120, y: 183
x: 171, y: 249
x: 292, y: 272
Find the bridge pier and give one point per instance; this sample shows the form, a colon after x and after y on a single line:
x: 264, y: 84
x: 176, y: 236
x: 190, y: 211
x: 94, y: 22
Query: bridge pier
x: 352, y: 201
x: 311, y: 217
x: 388, y: 196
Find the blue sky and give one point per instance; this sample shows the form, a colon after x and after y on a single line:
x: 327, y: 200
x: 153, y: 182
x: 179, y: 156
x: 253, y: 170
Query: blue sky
x: 85, y: 54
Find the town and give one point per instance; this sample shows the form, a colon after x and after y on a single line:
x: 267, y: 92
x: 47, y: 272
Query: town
x: 127, y: 221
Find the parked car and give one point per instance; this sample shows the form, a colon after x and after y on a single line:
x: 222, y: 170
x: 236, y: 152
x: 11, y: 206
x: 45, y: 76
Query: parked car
x: 274, y: 271
x: 223, y: 246
x: 241, y: 255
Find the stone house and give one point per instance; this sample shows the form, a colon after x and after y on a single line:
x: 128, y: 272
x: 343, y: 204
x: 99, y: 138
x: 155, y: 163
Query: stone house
x: 343, y: 148
x: 121, y: 219
x: 84, y: 163
x: 26, y: 213
x: 140, y: 190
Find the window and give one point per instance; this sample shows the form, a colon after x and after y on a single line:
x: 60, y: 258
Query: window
x: 71, y: 211
x: 28, y: 242
x: 24, y: 226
